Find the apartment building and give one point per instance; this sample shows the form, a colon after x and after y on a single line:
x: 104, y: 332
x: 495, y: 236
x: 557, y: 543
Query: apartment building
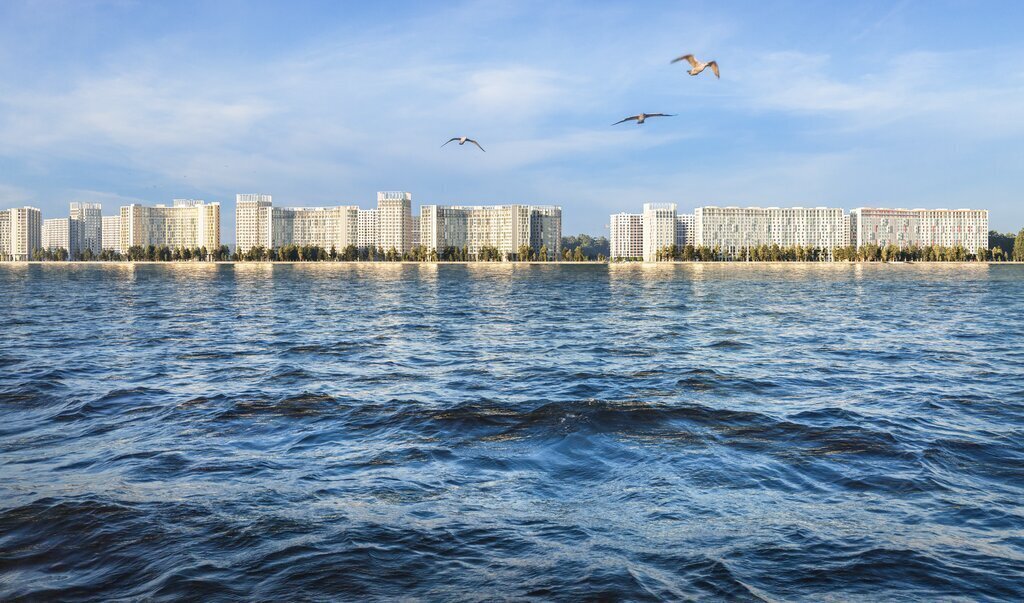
x: 732, y: 229
x: 659, y: 224
x: 324, y: 227
x: 504, y: 227
x: 61, y: 233
x: 252, y: 221
x: 919, y: 227
x: 20, y: 233
x: 685, y: 229
x: 111, y: 233
x: 88, y: 219
x: 186, y: 223
x: 394, y: 221
x: 626, y: 236
x: 367, y: 229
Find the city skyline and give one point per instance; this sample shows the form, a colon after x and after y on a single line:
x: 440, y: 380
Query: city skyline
x: 844, y: 106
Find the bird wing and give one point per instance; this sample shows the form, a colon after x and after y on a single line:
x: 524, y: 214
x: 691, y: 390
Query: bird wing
x: 476, y: 143
x: 626, y: 119
x: 688, y: 58
x: 714, y: 67
x: 661, y: 115
x: 451, y: 140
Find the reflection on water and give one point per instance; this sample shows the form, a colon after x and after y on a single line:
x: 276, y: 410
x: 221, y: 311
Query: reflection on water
x: 283, y: 431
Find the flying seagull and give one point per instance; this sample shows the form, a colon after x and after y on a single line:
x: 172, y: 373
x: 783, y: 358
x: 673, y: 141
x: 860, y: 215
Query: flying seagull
x: 463, y: 140
x: 640, y: 118
x: 696, y: 66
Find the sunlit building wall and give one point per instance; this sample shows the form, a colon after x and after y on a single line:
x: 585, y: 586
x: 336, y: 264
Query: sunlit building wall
x: 394, y: 221
x: 111, y: 233
x: 88, y: 218
x: 252, y: 221
x: 659, y: 223
x: 324, y: 227
x: 920, y: 227
x: 503, y: 227
x: 187, y: 223
x: 626, y: 236
x: 20, y: 233
x: 731, y: 229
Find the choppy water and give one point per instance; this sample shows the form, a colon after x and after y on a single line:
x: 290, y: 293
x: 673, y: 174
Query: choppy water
x: 770, y: 432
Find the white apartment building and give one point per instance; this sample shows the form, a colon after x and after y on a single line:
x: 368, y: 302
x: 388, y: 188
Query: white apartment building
x: 394, y: 221
x: 324, y: 227
x: 367, y: 229
x: 659, y: 223
x: 504, y: 227
x: 684, y: 229
x: 187, y: 223
x: 920, y: 227
x: 60, y: 233
x: 20, y: 233
x: 733, y: 228
x: 415, y: 232
x: 626, y: 236
x: 546, y: 229
x: 252, y: 221
x: 111, y: 238
x: 89, y: 223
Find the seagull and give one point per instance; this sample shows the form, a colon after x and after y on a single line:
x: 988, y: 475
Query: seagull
x: 640, y: 118
x: 697, y: 66
x: 463, y: 140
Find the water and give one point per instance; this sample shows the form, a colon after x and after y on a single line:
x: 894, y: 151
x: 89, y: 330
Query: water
x: 792, y: 432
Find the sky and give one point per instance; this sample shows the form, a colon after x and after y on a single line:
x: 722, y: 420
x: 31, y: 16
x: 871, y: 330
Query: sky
x: 844, y: 104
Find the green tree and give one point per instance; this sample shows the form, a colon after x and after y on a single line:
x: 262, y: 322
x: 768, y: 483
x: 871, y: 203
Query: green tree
x: 1018, y: 247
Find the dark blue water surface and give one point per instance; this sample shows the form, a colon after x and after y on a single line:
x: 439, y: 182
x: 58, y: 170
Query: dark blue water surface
x: 271, y: 432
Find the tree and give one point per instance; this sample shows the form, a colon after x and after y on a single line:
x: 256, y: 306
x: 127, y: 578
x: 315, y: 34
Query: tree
x: 1018, y: 247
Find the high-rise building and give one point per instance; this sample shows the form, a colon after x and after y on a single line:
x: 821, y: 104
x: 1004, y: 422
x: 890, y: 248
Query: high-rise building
x: 626, y: 236
x: 684, y: 229
x: 20, y: 233
x: 731, y: 229
x: 187, y: 223
x: 366, y: 236
x: 111, y: 240
x: 415, y: 232
x: 324, y: 227
x: 394, y: 221
x: 659, y: 223
x: 61, y: 233
x: 252, y: 221
x: 503, y: 227
x: 920, y: 227
x: 88, y: 218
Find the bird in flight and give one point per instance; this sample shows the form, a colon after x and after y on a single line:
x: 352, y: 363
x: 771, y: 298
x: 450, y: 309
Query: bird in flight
x: 463, y: 140
x: 696, y: 66
x: 640, y: 118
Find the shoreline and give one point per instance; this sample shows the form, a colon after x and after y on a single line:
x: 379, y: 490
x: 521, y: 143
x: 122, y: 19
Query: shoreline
x: 532, y: 263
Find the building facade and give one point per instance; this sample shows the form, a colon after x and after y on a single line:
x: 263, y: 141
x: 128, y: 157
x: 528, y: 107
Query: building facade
x: 111, y: 238
x: 88, y: 218
x: 659, y: 223
x: 685, y: 229
x: 919, y: 227
x: 366, y: 236
x: 61, y: 233
x: 394, y: 221
x: 502, y: 227
x: 732, y: 229
x: 187, y: 223
x: 326, y: 227
x: 626, y: 236
x: 252, y: 221
x: 21, y: 233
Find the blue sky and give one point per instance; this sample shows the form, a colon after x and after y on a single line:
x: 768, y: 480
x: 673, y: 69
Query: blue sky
x: 906, y: 103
